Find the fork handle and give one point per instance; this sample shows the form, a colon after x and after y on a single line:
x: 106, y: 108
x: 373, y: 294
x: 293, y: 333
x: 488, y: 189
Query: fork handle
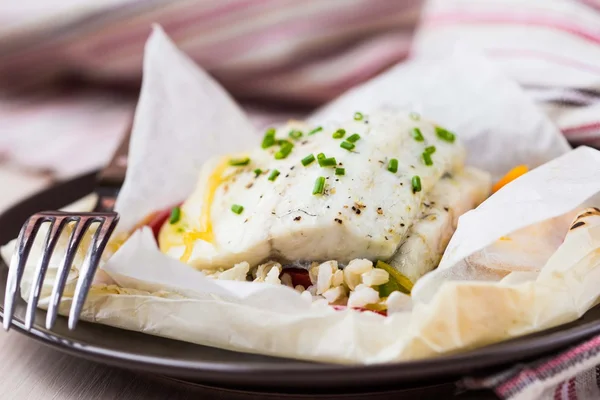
x: 114, y: 173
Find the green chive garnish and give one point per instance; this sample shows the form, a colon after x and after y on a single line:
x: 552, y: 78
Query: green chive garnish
x: 340, y: 171
x: 320, y: 156
x: 328, y: 162
x: 269, y: 139
x: 353, y: 138
x: 237, y: 162
x: 236, y: 208
x: 417, y: 135
x: 257, y: 172
x: 284, y: 150
x: 445, y: 134
x: 347, y: 145
x: 358, y: 116
x: 274, y: 174
x: 339, y: 134
x: 416, y: 184
x: 317, y: 129
x: 430, y: 149
x: 295, y: 134
x: 175, y: 215
x: 414, y: 116
x: 319, y: 187
x: 393, y: 165
x: 427, y: 158
x: 308, y: 160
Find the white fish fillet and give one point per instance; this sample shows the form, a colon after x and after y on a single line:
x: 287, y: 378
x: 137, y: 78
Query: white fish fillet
x: 365, y: 213
x: 423, y: 247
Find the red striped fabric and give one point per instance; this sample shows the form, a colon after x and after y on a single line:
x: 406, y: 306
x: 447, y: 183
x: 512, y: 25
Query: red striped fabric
x: 271, y: 41
x: 554, y: 44
x: 299, y: 54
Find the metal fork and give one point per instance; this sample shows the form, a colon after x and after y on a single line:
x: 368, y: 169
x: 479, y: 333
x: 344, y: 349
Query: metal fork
x: 57, y: 222
x: 109, y: 182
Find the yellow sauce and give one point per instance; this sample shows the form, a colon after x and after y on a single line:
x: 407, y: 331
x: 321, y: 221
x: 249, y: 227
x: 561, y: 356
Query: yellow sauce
x: 171, y: 235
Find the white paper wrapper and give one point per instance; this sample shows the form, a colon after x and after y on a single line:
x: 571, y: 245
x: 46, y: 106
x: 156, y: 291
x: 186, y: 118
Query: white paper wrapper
x: 473, y: 299
x: 183, y: 117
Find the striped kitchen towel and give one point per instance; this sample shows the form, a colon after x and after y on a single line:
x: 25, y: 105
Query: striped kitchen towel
x: 570, y: 375
x: 299, y: 54
x: 551, y: 47
x: 307, y: 51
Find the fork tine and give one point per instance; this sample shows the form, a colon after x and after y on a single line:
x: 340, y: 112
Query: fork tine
x: 88, y: 270
x: 81, y: 226
x: 56, y: 226
x: 17, y: 265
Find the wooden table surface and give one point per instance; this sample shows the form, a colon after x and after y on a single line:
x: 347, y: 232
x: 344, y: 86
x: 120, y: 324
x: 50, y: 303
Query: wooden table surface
x: 30, y: 370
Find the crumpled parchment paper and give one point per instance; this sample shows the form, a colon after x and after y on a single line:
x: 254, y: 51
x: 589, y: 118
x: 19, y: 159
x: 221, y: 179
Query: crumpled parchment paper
x: 489, y: 286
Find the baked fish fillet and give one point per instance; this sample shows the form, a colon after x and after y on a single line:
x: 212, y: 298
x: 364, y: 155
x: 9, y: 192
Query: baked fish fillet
x: 367, y: 212
x: 423, y: 247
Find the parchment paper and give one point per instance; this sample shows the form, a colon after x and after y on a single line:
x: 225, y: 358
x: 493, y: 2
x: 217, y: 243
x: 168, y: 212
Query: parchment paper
x: 181, y: 120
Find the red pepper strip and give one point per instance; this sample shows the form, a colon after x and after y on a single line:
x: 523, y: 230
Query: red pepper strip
x: 299, y: 276
x: 361, y: 309
x: 156, y: 220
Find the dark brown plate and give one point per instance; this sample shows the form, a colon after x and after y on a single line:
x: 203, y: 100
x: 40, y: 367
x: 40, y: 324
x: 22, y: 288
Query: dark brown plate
x: 246, y: 371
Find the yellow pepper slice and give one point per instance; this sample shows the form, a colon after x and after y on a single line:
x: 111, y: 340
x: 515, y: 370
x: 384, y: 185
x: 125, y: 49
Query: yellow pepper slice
x: 397, y: 281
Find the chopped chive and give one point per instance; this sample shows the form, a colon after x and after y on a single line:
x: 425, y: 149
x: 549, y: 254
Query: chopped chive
x: 295, y: 134
x: 269, y: 139
x: 319, y: 187
x: 308, y: 160
x: 285, y: 143
x: 328, y: 162
x: 430, y: 149
x: 236, y: 208
x: 257, y: 172
x: 414, y: 116
x: 238, y: 162
x: 444, y: 134
x: 339, y: 134
x: 317, y: 129
x: 284, y: 150
x: 393, y: 165
x: 320, y: 156
x: 347, y: 145
x: 358, y: 116
x: 416, y: 183
x: 340, y: 171
x: 417, y: 135
x: 355, y: 137
x: 175, y: 215
x: 273, y: 175
x: 427, y: 158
